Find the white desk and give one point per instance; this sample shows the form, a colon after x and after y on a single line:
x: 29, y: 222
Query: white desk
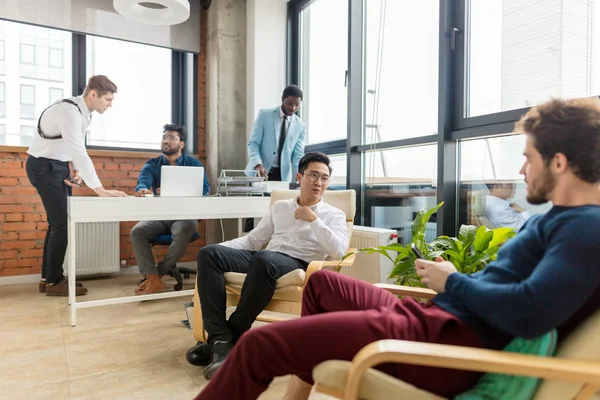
x: 110, y: 209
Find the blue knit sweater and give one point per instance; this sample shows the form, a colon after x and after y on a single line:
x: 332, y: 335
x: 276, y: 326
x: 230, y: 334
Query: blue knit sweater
x: 547, y: 276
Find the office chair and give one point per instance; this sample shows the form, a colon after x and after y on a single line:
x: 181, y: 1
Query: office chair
x: 179, y: 273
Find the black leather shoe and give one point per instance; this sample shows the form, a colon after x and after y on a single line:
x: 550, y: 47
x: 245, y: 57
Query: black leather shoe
x: 220, y: 351
x: 199, y: 355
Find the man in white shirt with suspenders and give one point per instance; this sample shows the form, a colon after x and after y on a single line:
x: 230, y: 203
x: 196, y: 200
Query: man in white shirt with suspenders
x: 61, y: 140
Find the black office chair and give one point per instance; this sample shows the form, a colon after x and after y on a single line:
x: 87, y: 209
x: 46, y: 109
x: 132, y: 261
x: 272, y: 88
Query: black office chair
x: 179, y: 273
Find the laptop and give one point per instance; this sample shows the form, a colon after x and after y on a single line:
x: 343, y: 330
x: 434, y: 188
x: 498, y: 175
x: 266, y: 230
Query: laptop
x: 178, y: 181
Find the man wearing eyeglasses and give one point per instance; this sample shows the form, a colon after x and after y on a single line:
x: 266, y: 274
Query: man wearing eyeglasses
x: 296, y: 232
x: 173, y: 142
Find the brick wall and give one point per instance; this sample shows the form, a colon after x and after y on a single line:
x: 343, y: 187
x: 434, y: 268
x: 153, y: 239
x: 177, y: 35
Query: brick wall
x: 22, y: 218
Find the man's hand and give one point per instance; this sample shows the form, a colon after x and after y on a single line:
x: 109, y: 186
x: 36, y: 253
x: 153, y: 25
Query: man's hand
x: 142, y: 192
x: 261, y: 170
x: 305, y: 214
x: 435, y: 273
x: 517, y: 207
x: 76, y: 179
x: 109, y: 193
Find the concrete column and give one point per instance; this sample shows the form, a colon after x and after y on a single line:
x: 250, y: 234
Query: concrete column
x: 226, y: 98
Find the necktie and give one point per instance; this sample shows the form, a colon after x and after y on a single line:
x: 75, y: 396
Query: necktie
x: 282, y: 134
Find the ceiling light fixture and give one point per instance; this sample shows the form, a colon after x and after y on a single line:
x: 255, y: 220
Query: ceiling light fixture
x: 154, y: 12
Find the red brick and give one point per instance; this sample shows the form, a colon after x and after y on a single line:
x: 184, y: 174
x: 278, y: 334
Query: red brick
x: 111, y: 167
x: 41, y: 226
x: 8, y: 156
x: 12, y: 164
x: 8, y: 182
x: 18, y: 190
x: 8, y: 236
x: 32, y: 253
x: 7, y: 199
x: 29, y: 262
x: 15, y: 271
x: 20, y: 226
x: 14, y: 217
x: 8, y: 264
x: 7, y: 255
x: 113, y: 174
x: 16, y: 209
x: 32, y: 217
x: 12, y: 172
x: 17, y: 244
x: 30, y: 235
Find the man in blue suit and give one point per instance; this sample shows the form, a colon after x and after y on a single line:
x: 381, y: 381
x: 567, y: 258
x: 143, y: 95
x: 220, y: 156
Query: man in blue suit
x: 276, y: 144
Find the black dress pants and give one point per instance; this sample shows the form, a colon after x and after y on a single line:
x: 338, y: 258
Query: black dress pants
x: 48, y: 176
x: 263, y: 268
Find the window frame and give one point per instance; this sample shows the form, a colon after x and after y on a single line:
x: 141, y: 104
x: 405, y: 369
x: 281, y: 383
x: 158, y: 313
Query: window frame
x: 453, y: 125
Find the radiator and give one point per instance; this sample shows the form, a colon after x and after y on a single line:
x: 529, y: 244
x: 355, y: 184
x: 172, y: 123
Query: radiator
x: 97, y: 248
x: 406, y: 234
x: 373, y: 268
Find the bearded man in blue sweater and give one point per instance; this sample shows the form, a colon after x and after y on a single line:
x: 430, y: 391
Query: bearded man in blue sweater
x: 546, y: 277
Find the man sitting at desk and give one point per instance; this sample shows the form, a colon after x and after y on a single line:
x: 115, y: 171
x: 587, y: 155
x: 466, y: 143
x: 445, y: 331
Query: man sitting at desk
x: 297, y: 231
x: 500, y: 211
x: 173, y: 141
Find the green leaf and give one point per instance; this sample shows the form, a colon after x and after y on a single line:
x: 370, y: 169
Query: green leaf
x: 403, y: 269
x: 371, y: 250
x: 466, y: 235
x: 444, y: 242
x: 483, y: 237
x: 420, y: 222
x: 501, y: 235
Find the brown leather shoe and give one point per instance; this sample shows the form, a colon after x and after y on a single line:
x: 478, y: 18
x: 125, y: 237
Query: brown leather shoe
x: 151, y: 285
x: 62, y: 289
x: 42, y: 285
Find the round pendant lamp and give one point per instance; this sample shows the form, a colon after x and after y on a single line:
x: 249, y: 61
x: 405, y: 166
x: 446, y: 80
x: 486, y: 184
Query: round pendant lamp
x: 154, y: 12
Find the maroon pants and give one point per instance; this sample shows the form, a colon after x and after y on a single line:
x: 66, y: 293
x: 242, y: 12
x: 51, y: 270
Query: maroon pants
x: 341, y: 315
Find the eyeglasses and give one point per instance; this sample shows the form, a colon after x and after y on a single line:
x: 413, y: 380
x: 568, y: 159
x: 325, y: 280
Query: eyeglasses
x: 313, y: 177
x: 170, y: 138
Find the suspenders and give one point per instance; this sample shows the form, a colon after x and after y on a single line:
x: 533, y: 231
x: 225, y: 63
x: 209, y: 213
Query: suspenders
x: 39, y: 129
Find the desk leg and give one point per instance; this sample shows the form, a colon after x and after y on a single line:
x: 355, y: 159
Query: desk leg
x: 240, y: 228
x: 72, y: 271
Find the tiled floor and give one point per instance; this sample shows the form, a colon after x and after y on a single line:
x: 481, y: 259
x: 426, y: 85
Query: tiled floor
x: 128, y: 351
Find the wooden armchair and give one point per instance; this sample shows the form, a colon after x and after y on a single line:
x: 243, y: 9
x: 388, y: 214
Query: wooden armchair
x: 288, y: 294
x: 574, y: 373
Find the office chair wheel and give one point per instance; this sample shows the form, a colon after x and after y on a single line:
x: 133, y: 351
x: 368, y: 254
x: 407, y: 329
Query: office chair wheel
x: 174, y: 272
x: 186, y: 276
x: 178, y: 287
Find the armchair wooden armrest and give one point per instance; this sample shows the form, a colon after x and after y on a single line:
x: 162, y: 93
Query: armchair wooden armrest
x: 318, y: 265
x: 422, y: 293
x: 471, y: 359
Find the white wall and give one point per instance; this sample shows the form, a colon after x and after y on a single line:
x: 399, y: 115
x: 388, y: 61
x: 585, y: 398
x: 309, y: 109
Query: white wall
x: 266, y: 55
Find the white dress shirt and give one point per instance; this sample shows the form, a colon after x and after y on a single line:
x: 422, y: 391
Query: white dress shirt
x: 64, y: 119
x: 499, y: 212
x: 309, y: 241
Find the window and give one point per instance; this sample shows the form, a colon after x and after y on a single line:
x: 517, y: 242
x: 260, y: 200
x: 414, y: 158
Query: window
x: 492, y: 192
x: 2, y: 54
x: 27, y: 135
x: 401, y: 80
x: 27, y: 102
x: 55, y: 95
x: 2, y: 134
x: 339, y: 165
x: 143, y: 102
x: 324, y: 62
x: 397, y: 184
x: 56, y: 58
x: 2, y: 100
x: 27, y: 54
x: 520, y: 55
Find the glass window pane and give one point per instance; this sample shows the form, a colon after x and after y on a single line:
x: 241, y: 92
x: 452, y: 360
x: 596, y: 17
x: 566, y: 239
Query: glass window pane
x: 2, y: 86
x: 55, y: 95
x: 401, y: 60
x: 1, y: 49
x: 27, y: 54
x: 26, y: 135
x: 56, y: 58
x: 27, y: 94
x: 521, y: 55
x: 397, y: 184
x: 324, y: 61
x: 41, y: 55
x: 339, y: 168
x: 492, y: 191
x: 143, y: 102
x: 2, y: 135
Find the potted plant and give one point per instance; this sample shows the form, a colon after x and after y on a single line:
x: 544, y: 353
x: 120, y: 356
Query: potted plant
x: 473, y: 249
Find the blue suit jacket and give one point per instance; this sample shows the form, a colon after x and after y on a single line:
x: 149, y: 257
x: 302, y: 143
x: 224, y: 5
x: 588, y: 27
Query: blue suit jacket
x: 264, y: 139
